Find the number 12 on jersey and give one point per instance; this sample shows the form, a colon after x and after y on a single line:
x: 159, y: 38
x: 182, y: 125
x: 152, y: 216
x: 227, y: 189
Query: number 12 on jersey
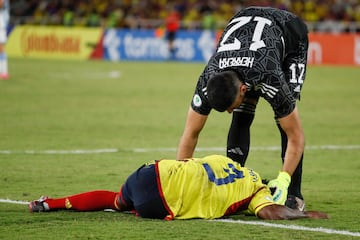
x: 256, y: 38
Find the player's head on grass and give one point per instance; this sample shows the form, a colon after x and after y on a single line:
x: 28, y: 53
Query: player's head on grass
x: 225, y: 91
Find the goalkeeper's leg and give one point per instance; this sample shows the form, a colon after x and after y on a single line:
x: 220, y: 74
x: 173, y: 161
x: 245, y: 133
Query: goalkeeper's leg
x: 238, y: 141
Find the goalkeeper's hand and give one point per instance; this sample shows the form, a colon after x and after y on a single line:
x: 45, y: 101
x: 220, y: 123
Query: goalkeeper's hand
x: 279, y: 187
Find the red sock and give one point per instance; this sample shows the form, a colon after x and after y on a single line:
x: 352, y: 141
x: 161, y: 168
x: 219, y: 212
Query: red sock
x: 87, y: 201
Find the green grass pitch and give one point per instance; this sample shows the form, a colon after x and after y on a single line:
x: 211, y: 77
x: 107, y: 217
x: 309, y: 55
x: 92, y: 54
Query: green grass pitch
x: 137, y: 108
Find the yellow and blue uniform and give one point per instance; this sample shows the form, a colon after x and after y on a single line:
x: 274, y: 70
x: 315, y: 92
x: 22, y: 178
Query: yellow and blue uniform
x: 209, y: 187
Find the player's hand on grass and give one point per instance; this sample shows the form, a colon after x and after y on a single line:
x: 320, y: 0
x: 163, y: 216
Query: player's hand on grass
x: 279, y: 187
x: 316, y: 215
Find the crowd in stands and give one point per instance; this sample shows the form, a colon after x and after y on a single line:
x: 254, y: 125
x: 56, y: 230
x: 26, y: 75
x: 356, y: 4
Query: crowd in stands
x: 329, y: 15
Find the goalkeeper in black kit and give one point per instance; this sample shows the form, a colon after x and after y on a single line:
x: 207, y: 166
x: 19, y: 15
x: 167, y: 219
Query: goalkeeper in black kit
x: 261, y: 53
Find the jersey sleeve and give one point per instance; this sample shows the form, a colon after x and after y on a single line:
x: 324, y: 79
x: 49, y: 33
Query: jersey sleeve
x: 277, y: 92
x: 261, y: 199
x: 199, y: 102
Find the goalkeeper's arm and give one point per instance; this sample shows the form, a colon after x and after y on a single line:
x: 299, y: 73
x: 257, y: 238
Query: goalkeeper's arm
x: 296, y: 141
x: 295, y: 148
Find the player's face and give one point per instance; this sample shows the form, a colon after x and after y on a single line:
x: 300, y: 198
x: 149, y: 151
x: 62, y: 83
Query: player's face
x: 236, y: 103
x: 238, y: 99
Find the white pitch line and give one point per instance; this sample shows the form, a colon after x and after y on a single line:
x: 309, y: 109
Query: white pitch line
x: 258, y: 223
x: 292, y: 227
x: 13, y: 201
x: 173, y: 149
x: 52, y: 152
x: 256, y: 148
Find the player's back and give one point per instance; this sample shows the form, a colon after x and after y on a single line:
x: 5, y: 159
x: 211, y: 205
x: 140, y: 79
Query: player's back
x: 206, y: 187
x: 253, y: 39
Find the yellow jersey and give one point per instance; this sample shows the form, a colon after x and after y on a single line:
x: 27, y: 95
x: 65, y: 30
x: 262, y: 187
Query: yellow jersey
x: 209, y: 187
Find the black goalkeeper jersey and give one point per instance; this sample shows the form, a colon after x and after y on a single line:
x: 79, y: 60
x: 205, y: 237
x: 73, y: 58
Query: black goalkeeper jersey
x: 267, y: 47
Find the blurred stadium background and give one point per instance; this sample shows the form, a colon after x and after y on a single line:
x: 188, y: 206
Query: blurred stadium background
x: 321, y: 15
x: 136, y: 30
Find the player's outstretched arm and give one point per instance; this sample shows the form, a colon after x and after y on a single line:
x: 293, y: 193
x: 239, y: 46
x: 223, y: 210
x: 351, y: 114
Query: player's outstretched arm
x: 194, y: 124
x: 291, y: 124
x: 280, y: 212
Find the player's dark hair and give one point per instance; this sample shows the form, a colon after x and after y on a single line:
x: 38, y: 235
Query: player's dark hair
x: 222, y: 89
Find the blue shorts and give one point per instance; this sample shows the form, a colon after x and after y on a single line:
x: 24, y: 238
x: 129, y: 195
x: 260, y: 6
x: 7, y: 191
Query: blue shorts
x: 140, y: 192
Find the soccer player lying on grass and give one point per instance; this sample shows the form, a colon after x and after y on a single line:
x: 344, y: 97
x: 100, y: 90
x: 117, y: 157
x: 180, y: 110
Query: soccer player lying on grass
x: 211, y: 187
